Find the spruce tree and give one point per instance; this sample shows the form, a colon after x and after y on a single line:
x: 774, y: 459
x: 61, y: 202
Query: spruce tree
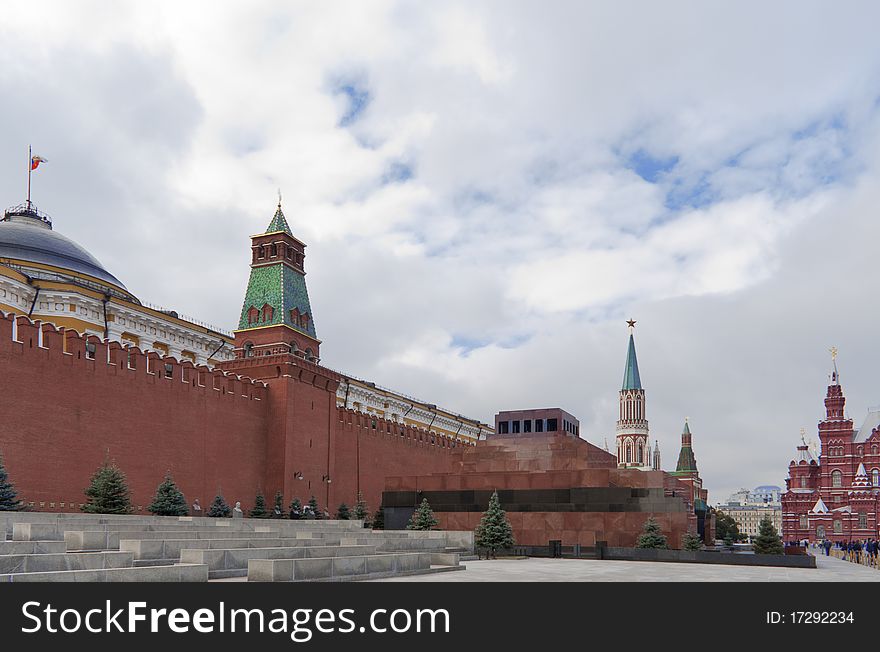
x: 219, y: 508
x: 108, y: 492
x: 378, y: 519
x: 9, y: 501
x: 343, y: 513
x: 169, y: 500
x: 767, y: 542
x: 278, y: 507
x: 313, y: 508
x: 360, y: 510
x: 494, y: 531
x: 296, y: 509
x: 422, y: 518
x: 651, y: 536
x: 691, y: 541
x: 259, y: 510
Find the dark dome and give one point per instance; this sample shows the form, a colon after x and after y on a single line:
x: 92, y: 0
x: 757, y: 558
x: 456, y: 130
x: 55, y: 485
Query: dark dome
x: 28, y: 239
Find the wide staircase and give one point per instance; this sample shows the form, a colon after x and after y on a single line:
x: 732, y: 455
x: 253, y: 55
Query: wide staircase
x: 47, y: 547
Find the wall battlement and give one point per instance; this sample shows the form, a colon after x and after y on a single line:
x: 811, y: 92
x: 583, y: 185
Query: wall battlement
x: 21, y: 336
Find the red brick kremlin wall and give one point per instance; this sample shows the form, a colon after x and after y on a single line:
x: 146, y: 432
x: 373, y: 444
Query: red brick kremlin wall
x: 62, y: 411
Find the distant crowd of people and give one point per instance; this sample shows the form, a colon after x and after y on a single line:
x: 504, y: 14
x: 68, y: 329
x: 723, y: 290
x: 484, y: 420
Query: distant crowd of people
x: 306, y: 512
x: 858, y: 551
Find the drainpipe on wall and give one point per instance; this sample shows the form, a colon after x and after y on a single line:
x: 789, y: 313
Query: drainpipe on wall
x: 34, y: 302
x: 105, y: 301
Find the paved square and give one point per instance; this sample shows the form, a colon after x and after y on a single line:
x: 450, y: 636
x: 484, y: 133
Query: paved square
x: 590, y: 570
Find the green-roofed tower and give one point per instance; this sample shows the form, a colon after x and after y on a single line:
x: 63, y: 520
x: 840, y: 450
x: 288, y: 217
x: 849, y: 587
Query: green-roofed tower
x: 686, y: 472
x: 633, y: 447
x: 276, y: 316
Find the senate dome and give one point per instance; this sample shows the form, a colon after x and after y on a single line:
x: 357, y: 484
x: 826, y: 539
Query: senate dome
x: 28, y: 243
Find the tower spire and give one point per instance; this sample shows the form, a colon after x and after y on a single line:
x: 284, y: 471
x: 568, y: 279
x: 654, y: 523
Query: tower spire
x: 633, y: 449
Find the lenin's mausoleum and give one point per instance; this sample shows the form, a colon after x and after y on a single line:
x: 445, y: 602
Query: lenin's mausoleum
x: 90, y: 371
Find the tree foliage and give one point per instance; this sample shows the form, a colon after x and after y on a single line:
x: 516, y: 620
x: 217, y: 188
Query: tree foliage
x: 9, y: 501
x: 343, y: 513
x: 169, y: 499
x: 767, y: 542
x: 219, y: 508
x: 423, y: 518
x: 652, y: 536
x: 360, y: 510
x: 691, y: 541
x: 259, y: 510
x: 108, y: 492
x: 379, y: 519
x: 494, y: 531
x: 725, y: 527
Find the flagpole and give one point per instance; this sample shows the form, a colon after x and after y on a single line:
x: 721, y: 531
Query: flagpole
x: 30, y: 165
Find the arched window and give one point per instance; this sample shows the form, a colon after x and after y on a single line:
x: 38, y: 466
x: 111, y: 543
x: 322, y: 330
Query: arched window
x: 640, y: 452
x: 249, y: 349
x: 836, y: 478
x: 309, y: 355
x: 293, y: 347
x: 803, y: 483
x: 629, y: 452
x: 261, y: 251
x: 874, y: 449
x: 804, y: 523
x: 253, y: 315
x: 274, y: 250
x: 875, y: 477
x: 268, y: 311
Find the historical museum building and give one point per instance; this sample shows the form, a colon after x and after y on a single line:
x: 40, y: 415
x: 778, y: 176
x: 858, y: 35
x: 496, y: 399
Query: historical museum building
x: 90, y: 370
x: 835, y: 496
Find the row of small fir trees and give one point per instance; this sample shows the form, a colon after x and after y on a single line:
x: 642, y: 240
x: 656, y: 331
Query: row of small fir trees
x: 767, y: 542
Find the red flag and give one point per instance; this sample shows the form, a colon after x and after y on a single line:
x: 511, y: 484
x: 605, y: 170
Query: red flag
x: 36, y: 160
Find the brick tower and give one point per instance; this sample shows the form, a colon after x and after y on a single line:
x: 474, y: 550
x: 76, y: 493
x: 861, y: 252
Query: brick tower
x: 632, y: 426
x: 276, y: 316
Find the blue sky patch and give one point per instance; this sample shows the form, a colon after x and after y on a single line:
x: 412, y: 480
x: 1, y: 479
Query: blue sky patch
x: 358, y: 99
x: 648, y: 167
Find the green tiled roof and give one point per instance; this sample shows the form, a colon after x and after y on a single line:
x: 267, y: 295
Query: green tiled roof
x: 282, y: 288
x: 279, y: 223
x: 631, y: 378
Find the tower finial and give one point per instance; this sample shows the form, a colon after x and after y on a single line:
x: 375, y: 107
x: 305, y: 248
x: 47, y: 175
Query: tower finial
x: 279, y: 198
x: 631, y: 323
x: 835, y: 377
x: 803, y: 436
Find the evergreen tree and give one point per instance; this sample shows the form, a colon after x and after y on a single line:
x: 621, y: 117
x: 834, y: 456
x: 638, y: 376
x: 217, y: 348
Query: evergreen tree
x: 259, y: 510
x: 494, y: 531
x: 691, y: 541
x: 728, y: 542
x: 343, y: 513
x: 9, y: 501
x: 422, y: 518
x: 169, y: 500
x: 278, y: 507
x: 108, y: 492
x: 219, y: 508
x: 768, y: 542
x: 379, y: 519
x: 296, y: 509
x: 360, y: 510
x: 651, y: 536
x: 313, y: 509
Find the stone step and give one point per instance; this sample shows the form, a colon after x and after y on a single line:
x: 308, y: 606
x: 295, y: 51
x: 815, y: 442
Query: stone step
x: 170, y: 549
x: 233, y: 562
x: 101, y: 540
x: 50, y: 562
x: 329, y: 568
x: 175, y: 573
x: 30, y: 547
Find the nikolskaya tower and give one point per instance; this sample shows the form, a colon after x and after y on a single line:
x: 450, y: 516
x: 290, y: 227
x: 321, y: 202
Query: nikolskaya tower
x: 633, y: 443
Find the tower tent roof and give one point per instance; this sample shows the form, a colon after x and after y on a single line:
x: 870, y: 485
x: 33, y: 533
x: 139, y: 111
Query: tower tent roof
x: 631, y: 378
x: 279, y: 223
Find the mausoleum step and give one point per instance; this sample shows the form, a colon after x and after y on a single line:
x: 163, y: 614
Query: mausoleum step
x: 171, y: 548
x: 31, y: 547
x: 50, y: 562
x: 329, y: 568
x: 234, y: 561
x: 100, y: 540
x: 170, y: 573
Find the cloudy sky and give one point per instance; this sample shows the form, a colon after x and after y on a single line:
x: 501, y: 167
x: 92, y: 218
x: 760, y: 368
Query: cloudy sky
x: 489, y: 189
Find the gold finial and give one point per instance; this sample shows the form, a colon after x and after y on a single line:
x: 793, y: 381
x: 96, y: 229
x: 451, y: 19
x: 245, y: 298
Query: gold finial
x: 833, y: 352
x: 803, y: 436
